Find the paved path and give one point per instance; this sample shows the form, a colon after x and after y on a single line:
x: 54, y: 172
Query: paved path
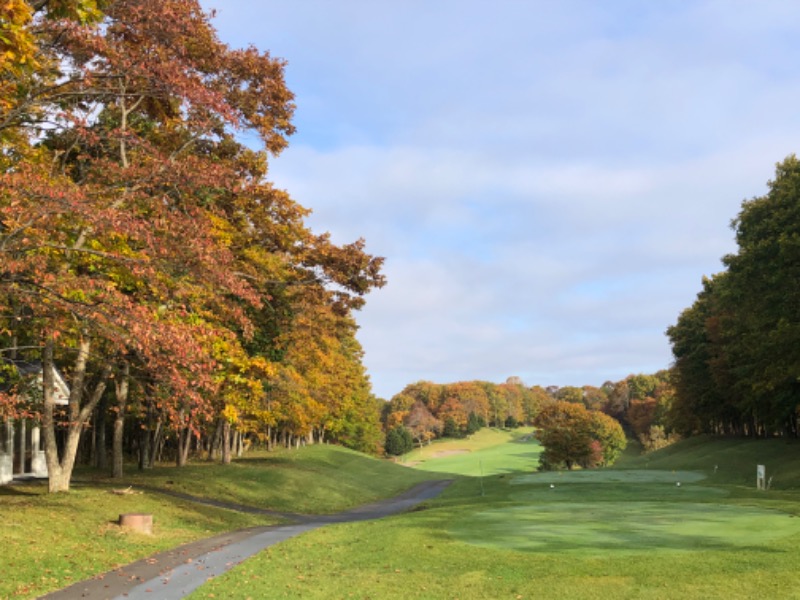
x: 175, y: 573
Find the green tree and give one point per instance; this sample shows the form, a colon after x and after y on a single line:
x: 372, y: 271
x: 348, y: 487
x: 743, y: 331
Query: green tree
x: 698, y: 400
x: 474, y: 423
x: 763, y: 341
x: 737, y: 348
x: 451, y: 428
x: 398, y: 441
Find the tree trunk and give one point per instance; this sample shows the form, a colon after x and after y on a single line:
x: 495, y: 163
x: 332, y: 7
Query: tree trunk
x: 239, y: 443
x: 101, y: 456
x: 214, y: 441
x: 60, y: 467
x: 121, y: 387
x: 157, y: 447
x: 144, y: 448
x: 186, y: 447
x: 184, y: 442
x: 226, y: 442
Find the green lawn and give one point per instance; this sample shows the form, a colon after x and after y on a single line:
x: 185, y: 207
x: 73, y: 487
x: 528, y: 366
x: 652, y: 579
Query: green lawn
x: 487, y: 452
x: 58, y: 539
x: 624, y: 533
x: 629, y: 532
x: 314, y: 479
x: 62, y: 538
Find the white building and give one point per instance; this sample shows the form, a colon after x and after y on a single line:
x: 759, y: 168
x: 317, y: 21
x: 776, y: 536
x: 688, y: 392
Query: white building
x: 21, y: 452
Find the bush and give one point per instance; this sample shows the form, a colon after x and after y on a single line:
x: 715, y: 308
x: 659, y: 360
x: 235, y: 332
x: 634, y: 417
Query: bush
x: 451, y: 428
x: 398, y: 441
x: 474, y: 423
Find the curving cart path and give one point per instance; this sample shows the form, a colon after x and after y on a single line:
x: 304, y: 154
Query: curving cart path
x: 173, y: 574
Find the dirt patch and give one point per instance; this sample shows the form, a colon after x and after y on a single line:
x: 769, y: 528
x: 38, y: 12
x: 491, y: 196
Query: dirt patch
x: 443, y: 453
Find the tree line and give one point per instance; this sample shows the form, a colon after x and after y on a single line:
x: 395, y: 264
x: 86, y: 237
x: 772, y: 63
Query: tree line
x: 578, y: 426
x: 146, y: 255
x: 737, y: 348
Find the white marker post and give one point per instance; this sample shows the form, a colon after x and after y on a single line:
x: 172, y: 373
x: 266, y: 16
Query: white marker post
x: 761, y: 477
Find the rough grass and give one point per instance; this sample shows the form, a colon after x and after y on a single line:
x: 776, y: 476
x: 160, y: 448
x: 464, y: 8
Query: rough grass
x: 728, y: 461
x: 57, y: 539
x: 314, y: 479
x: 596, y: 534
x: 62, y: 538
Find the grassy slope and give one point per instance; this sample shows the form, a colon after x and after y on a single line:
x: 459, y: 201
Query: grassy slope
x: 712, y: 537
x: 58, y: 539
x: 62, y: 538
x: 487, y: 452
x: 314, y: 479
x: 735, y: 459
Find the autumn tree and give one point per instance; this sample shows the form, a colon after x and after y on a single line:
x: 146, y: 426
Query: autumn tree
x: 134, y: 228
x: 396, y: 410
x: 594, y: 398
x: 570, y: 393
x: 422, y: 424
x: 472, y: 397
x: 573, y: 436
x: 454, y: 418
x: 609, y: 436
x: 535, y: 399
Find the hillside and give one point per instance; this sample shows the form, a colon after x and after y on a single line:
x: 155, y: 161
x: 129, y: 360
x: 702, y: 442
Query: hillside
x: 727, y: 460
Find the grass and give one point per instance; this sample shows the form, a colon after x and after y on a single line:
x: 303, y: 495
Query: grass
x: 623, y: 533
x: 315, y: 479
x: 487, y: 452
x: 62, y: 538
x: 629, y: 532
x: 58, y: 539
x: 728, y: 461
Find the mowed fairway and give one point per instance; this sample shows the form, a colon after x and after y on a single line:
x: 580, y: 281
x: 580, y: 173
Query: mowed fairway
x: 599, y: 534
x: 487, y: 452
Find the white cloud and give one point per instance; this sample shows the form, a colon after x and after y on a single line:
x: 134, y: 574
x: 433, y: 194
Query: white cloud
x: 549, y: 181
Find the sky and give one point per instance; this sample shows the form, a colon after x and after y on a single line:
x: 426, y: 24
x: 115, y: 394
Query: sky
x: 548, y: 180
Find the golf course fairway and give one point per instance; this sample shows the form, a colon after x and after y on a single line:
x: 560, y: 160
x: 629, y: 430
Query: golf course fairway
x: 624, y: 533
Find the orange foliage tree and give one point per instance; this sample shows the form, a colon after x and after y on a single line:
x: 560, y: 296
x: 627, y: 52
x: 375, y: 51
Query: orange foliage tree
x: 139, y: 236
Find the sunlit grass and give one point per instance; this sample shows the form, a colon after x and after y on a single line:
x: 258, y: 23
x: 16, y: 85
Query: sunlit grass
x: 63, y: 538
x: 487, y: 452
x: 53, y: 540
x: 314, y: 479
x: 593, y: 534
x: 728, y: 461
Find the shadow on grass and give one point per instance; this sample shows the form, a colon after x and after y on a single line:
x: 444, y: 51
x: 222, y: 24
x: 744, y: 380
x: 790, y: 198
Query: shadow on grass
x: 14, y: 490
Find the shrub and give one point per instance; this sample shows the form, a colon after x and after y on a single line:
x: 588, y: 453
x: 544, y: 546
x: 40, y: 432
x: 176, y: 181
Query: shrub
x: 398, y: 441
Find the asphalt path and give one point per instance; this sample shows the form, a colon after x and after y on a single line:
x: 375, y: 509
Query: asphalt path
x: 175, y: 573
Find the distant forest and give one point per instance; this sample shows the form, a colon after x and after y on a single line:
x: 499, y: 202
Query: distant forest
x: 428, y: 410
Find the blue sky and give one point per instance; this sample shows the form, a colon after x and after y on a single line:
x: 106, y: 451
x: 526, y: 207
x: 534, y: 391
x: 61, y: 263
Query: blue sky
x: 548, y: 180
